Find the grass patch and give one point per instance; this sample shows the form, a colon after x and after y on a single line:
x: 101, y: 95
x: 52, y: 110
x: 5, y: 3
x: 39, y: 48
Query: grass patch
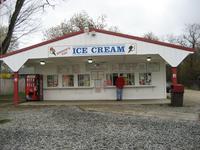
x: 2, y: 121
x: 10, y: 96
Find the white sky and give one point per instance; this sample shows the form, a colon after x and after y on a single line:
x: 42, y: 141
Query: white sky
x: 134, y: 17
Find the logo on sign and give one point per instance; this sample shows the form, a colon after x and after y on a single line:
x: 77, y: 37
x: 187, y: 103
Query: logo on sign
x: 52, y: 51
x: 132, y: 48
x: 58, y: 51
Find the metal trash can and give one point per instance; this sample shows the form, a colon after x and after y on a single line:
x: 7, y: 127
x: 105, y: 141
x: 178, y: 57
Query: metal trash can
x: 177, y: 91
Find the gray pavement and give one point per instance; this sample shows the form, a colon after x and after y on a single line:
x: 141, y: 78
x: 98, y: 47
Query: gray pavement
x: 94, y: 102
x: 122, y: 125
x: 152, y: 108
x: 69, y: 127
x: 192, y: 98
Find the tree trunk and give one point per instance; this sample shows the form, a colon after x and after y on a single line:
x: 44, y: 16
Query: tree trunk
x: 7, y: 40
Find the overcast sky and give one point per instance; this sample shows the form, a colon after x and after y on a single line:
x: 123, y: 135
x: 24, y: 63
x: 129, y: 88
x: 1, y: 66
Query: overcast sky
x: 134, y: 17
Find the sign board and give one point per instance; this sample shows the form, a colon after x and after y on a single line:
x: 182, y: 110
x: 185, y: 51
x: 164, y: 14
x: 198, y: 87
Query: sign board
x: 153, y: 67
x: 92, y: 50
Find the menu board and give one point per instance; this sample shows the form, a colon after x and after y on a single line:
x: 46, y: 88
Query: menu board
x: 153, y: 67
x: 124, y: 67
x: 76, y: 68
x: 97, y: 75
x: 96, y: 66
x: 114, y: 67
x: 141, y: 67
x: 67, y: 69
x: 133, y: 66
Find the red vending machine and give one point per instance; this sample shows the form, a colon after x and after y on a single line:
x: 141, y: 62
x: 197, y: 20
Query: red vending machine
x: 34, y: 87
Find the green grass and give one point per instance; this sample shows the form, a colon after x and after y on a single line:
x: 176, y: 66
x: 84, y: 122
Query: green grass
x: 10, y: 97
x: 2, y: 121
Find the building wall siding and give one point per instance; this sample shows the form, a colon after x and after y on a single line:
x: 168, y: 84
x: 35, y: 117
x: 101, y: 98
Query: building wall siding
x: 155, y: 91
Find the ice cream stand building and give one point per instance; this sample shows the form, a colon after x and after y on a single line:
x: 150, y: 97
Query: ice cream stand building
x: 84, y: 66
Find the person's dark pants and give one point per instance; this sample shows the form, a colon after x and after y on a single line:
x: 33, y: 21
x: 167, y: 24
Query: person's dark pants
x: 119, y: 93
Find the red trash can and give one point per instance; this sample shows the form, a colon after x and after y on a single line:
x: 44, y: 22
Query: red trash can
x: 177, y: 92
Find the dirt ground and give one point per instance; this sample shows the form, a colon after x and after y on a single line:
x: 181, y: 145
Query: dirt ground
x: 189, y: 111
x: 71, y: 128
x: 191, y: 97
x: 121, y: 126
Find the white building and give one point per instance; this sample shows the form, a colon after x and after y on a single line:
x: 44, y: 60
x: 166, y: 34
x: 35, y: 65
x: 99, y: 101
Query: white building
x: 67, y: 75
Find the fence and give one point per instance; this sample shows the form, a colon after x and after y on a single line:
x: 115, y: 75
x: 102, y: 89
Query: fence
x: 6, y: 86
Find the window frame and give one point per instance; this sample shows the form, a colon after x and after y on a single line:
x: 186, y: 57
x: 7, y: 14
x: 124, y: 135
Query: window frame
x: 69, y: 80
x: 84, y: 79
x: 53, y: 82
x: 145, y: 82
x: 111, y: 80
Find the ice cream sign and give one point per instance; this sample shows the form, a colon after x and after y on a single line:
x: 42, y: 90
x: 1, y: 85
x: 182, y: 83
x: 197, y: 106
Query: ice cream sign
x: 119, y: 49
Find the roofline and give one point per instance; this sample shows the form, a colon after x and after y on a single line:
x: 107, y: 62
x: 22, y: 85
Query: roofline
x: 100, y: 31
x: 42, y: 43
x: 145, y: 40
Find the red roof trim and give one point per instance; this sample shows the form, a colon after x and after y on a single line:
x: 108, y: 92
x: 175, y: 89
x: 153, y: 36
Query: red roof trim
x: 100, y: 31
x: 145, y: 40
x: 42, y: 43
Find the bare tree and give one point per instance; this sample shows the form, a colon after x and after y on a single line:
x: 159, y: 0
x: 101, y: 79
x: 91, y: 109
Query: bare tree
x: 77, y: 22
x: 1, y: 1
x: 21, y: 20
x: 192, y: 35
x: 114, y: 29
x: 192, y: 38
x: 12, y: 23
x: 179, y: 40
x: 13, y: 43
x: 3, y: 31
x: 189, y: 69
x: 151, y: 36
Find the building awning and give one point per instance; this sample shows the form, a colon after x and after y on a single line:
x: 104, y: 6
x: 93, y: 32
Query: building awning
x: 96, y: 43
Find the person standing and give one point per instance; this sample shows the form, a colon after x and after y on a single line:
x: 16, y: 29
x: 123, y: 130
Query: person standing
x: 119, y: 87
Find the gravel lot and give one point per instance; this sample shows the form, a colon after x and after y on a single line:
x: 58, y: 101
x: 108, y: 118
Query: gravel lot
x: 61, y: 127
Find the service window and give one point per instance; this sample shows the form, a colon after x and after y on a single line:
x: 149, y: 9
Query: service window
x: 68, y: 80
x: 129, y: 78
x: 111, y: 78
x: 145, y: 78
x: 52, y: 80
x: 83, y: 80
